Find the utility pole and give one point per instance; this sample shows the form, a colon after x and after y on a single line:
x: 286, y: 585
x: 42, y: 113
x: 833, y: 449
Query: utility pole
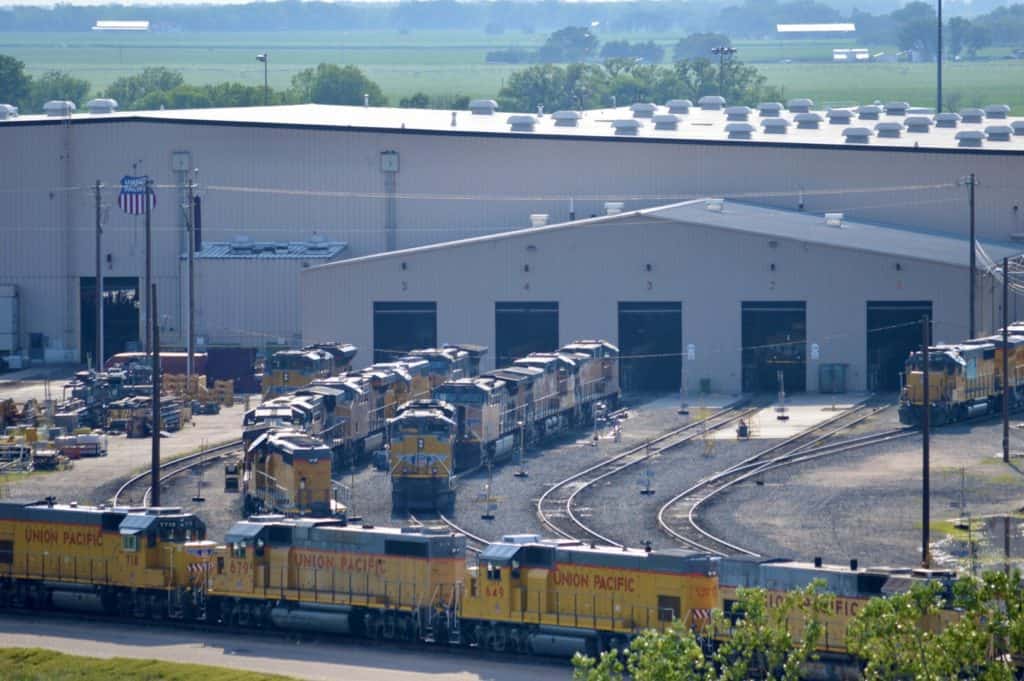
x: 150, y: 306
x: 974, y: 274
x: 722, y: 52
x: 938, y: 69
x: 190, y: 222
x: 99, y: 277
x: 154, y: 461
x: 265, y: 58
x: 1006, y: 361
x: 925, y: 426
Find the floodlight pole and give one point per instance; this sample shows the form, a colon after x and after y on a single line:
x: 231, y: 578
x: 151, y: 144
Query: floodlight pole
x: 722, y: 51
x: 264, y: 57
x: 938, y: 66
x: 150, y: 307
x: 1006, y: 361
x: 154, y: 460
x: 99, y: 277
x: 925, y: 444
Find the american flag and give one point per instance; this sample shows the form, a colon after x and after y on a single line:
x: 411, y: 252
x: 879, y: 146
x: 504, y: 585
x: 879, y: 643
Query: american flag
x: 132, y: 196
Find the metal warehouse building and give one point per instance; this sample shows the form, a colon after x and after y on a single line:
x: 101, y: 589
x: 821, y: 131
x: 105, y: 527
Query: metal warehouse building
x: 371, y: 180
x: 753, y: 290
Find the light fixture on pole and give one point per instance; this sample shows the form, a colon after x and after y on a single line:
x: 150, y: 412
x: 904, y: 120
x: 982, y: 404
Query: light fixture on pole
x: 263, y: 57
x: 722, y: 51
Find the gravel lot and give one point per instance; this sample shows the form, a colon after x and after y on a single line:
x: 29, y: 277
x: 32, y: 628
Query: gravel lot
x: 866, y: 504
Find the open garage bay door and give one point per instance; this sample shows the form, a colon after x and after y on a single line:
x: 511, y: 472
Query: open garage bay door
x: 120, y: 315
x: 400, y: 327
x: 894, y: 329
x: 651, y: 346
x: 522, y: 328
x: 774, y: 340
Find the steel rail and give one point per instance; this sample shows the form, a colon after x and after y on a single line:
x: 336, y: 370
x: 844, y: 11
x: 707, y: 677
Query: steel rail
x: 191, y: 460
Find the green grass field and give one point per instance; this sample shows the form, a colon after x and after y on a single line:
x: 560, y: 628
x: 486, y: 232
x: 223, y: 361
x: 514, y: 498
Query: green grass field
x: 452, y: 62
x: 34, y: 664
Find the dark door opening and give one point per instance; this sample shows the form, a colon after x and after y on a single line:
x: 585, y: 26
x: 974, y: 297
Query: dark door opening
x: 894, y: 330
x: 522, y: 328
x: 774, y: 340
x: 651, y: 346
x: 120, y: 315
x: 401, y: 327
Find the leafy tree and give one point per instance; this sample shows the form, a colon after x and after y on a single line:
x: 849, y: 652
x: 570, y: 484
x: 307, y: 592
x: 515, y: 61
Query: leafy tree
x: 649, y: 52
x: 417, y: 101
x: 978, y: 37
x: 15, y: 84
x: 919, y: 35
x: 58, y: 85
x: 570, y: 44
x: 333, y: 84
x: 129, y: 90
x: 699, y: 45
x: 957, y: 30
x: 761, y: 642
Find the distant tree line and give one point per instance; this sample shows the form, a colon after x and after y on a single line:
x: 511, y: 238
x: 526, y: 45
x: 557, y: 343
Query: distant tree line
x: 878, y: 21
x: 580, y: 44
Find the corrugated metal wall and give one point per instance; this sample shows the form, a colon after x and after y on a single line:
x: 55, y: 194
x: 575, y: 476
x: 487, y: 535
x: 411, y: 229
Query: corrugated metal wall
x: 277, y: 184
x: 589, y: 269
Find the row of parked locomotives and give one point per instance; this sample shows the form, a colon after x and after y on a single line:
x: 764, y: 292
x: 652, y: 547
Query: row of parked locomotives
x: 344, y: 415
x: 287, y: 370
x: 483, y: 419
x: 964, y: 379
x: 522, y: 594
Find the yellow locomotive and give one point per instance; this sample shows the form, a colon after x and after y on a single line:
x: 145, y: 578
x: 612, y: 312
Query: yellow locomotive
x: 287, y: 370
x: 420, y: 456
x: 289, y: 472
x: 964, y: 379
x: 133, y: 562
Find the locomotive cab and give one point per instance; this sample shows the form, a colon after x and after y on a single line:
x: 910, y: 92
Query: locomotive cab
x: 420, y: 456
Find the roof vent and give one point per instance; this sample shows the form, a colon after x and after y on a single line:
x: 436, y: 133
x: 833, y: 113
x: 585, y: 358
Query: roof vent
x: 711, y: 102
x: 834, y: 219
x: 538, y: 219
x: 857, y: 135
x: 896, y: 108
x: 947, y: 120
x: 644, y: 109
x: 483, y: 107
x: 59, y: 107
x: 769, y: 108
x: 972, y: 115
x: 522, y: 122
x: 568, y: 119
x: 665, y: 121
x: 808, y: 120
x: 775, y: 126
x: 1018, y: 127
x: 101, y: 106
x: 998, y: 133
x: 737, y: 113
x: 997, y: 111
x: 613, y: 207
x: 839, y: 116
x: 888, y: 129
x: 626, y: 126
x: 918, y: 123
x: 739, y: 131
x: 800, y: 105
x: 869, y: 112
x: 714, y: 205
x: 679, y: 106
x: 8, y: 111
x: 970, y: 138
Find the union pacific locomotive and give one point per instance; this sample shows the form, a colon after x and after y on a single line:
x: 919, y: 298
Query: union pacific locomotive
x: 523, y: 594
x: 964, y: 379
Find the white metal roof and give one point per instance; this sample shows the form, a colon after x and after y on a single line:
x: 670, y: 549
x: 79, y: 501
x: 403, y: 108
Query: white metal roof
x: 697, y: 125
x: 750, y: 219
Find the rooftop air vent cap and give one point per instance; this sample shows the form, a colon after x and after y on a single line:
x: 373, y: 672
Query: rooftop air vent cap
x: 1018, y: 127
x: 834, y: 219
x: 567, y: 118
x: 998, y: 133
x: 711, y: 102
x: 679, y: 106
x: 739, y: 131
x: 889, y: 129
x: 483, y: 107
x: 737, y: 113
x: 869, y: 112
x: 808, y: 120
x: 896, y: 108
x: 626, y: 126
x: 775, y: 126
x: 997, y: 110
x: 644, y: 109
x: 8, y: 111
x: 800, y: 105
x: 972, y: 115
x: 918, y: 123
x: 769, y: 108
x: 665, y: 121
x: 839, y: 116
x: 948, y: 119
x: 59, y: 107
x: 101, y: 105
x: 857, y: 135
x: 522, y: 122
x: 970, y: 138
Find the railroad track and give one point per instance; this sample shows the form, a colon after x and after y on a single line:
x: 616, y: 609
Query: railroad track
x: 171, y: 469
x: 474, y: 544
x: 678, y: 516
x: 554, y: 507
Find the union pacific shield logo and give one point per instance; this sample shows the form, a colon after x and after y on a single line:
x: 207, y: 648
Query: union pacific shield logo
x: 133, y: 192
